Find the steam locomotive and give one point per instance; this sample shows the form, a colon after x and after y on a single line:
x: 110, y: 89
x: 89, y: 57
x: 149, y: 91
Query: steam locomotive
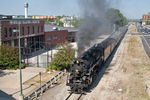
x: 91, y: 61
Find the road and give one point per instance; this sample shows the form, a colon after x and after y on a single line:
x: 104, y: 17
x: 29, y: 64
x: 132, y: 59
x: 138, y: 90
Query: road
x: 146, y: 42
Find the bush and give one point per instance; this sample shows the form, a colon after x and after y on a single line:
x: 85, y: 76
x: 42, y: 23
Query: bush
x: 63, y: 58
x: 9, y: 58
x: 54, y: 67
x: 18, y: 67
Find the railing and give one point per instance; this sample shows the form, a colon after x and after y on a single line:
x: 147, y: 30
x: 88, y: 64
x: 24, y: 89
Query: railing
x: 43, y: 88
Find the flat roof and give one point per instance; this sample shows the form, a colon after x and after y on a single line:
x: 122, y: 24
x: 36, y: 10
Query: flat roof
x: 49, y: 27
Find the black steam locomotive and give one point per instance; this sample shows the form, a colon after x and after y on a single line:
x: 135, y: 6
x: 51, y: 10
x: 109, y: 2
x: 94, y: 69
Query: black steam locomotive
x: 90, y: 62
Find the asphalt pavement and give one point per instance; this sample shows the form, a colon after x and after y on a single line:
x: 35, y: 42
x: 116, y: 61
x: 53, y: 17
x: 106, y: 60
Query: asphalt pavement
x: 5, y: 96
x: 146, y: 42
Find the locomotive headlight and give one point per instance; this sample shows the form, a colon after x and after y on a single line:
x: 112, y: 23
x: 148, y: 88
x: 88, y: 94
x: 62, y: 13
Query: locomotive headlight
x: 77, y: 61
x: 76, y: 71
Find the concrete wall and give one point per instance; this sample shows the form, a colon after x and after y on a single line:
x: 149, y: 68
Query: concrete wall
x: 40, y: 60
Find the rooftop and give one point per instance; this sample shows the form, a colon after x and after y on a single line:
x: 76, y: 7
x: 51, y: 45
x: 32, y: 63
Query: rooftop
x: 50, y: 27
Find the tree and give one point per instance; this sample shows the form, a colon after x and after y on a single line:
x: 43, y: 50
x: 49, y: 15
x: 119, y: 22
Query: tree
x: 63, y: 58
x: 59, y: 23
x: 9, y: 58
x: 116, y: 17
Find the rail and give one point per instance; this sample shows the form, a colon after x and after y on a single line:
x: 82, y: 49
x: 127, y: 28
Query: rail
x: 43, y: 88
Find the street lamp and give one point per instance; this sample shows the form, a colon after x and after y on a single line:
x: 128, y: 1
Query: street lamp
x: 21, y: 94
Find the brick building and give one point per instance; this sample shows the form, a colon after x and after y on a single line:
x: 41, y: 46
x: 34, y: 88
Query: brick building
x: 34, y: 33
x: 146, y: 19
x: 31, y: 33
x: 55, y: 37
x: 71, y: 31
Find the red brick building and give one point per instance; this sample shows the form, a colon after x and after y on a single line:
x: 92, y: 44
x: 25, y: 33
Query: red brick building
x: 55, y: 37
x: 31, y: 33
x: 146, y: 19
x: 34, y: 33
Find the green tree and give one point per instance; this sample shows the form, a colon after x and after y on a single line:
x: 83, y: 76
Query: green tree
x: 77, y: 22
x: 61, y: 23
x: 63, y: 58
x: 9, y: 57
x: 116, y: 17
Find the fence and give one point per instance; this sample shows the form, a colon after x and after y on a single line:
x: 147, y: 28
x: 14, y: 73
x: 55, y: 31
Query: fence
x: 40, y: 59
x: 44, y: 87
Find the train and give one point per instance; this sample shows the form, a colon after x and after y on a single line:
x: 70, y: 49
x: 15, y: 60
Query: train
x: 86, y: 66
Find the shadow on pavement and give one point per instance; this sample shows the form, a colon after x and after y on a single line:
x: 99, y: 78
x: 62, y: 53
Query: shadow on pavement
x: 2, y: 73
x: 5, y: 96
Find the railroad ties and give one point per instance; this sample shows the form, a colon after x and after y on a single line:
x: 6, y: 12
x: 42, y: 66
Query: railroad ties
x: 77, y: 96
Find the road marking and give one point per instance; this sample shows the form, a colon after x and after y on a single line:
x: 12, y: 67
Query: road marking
x: 146, y: 42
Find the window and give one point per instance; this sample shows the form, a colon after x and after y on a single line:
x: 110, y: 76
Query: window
x: 38, y: 29
x: 5, y: 32
x: 32, y: 29
x: 41, y: 28
x: 14, y: 32
x: 10, y: 32
x: 48, y: 38
x: 22, y: 42
x: 28, y: 30
x: 55, y: 37
x: 17, y: 31
x: 22, y: 30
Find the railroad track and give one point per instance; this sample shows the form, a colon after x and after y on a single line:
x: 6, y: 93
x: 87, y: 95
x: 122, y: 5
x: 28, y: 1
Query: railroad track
x: 69, y: 96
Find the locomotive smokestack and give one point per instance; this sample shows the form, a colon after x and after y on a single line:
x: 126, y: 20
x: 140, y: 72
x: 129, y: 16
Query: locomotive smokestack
x: 26, y: 9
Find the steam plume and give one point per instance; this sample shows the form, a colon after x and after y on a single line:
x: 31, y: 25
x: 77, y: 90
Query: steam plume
x: 95, y: 22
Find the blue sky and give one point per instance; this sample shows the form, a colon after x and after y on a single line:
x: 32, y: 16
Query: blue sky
x: 130, y: 8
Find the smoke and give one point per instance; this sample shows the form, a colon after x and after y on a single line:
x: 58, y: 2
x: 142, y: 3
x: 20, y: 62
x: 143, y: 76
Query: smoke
x: 94, y: 24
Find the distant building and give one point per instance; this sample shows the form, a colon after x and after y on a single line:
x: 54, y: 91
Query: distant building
x: 49, y: 18
x: 67, y: 20
x: 5, y: 17
x: 146, y: 19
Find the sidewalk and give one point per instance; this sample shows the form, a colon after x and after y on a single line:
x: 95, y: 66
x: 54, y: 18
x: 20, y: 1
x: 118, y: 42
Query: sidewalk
x: 10, y: 80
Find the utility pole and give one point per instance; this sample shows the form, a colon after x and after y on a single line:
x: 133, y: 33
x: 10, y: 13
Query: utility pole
x: 21, y: 94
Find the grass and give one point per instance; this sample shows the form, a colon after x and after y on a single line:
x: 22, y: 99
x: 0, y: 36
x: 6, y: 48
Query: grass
x: 133, y: 29
x: 139, y: 66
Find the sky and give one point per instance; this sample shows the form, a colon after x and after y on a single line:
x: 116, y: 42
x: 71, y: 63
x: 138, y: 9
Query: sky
x: 133, y: 9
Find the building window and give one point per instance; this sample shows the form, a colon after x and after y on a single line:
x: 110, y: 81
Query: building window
x: 10, y: 32
x: 55, y: 37
x: 28, y: 30
x: 32, y: 29
x: 22, y: 30
x: 48, y: 38
x: 38, y: 29
x: 5, y: 30
x: 41, y: 28
x: 14, y: 32
x: 22, y: 42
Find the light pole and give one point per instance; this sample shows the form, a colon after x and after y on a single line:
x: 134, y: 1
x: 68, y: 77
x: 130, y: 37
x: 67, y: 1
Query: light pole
x: 21, y: 94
